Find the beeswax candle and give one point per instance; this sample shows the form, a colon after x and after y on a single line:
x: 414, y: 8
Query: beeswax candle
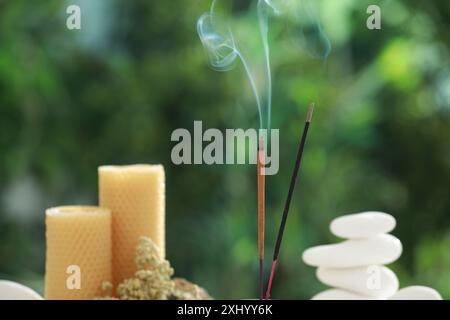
x: 135, y: 194
x: 78, y: 252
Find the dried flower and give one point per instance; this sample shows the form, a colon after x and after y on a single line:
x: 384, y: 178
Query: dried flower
x: 153, y: 279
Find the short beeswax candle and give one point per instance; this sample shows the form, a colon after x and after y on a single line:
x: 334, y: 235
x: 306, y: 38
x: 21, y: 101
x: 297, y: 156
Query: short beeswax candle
x: 78, y: 252
x: 135, y: 194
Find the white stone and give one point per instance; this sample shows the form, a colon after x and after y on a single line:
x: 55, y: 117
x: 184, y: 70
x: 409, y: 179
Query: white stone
x: 337, y: 294
x: 362, y: 225
x: 374, y: 281
x: 417, y: 293
x: 380, y: 249
x: 15, y: 291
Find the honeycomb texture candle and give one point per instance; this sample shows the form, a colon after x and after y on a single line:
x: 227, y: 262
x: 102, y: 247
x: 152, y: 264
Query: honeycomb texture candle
x: 135, y: 195
x: 77, y: 236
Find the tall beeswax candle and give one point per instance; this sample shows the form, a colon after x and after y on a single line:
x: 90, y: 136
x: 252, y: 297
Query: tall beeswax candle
x: 78, y: 252
x: 136, y: 196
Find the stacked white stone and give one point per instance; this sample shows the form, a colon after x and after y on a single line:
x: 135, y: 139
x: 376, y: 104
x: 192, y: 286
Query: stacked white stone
x: 355, y: 267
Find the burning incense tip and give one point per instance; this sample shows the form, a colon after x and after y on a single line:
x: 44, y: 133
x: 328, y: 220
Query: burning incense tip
x: 310, y: 112
x: 261, y: 144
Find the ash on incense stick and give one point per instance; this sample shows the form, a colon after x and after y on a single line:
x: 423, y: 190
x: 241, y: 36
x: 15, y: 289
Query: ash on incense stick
x: 153, y: 279
x: 261, y: 213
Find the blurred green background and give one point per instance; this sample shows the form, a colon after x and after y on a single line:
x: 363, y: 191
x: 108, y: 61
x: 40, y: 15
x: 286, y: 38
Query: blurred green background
x: 112, y: 93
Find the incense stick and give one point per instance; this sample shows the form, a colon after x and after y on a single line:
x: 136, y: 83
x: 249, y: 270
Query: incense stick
x: 298, y: 162
x: 261, y: 213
